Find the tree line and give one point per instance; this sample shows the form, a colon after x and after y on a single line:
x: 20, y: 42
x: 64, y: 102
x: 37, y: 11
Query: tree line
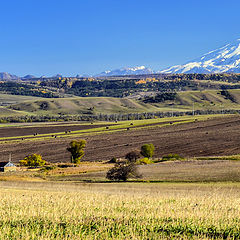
x: 112, y: 117
x: 16, y: 88
x: 121, y: 171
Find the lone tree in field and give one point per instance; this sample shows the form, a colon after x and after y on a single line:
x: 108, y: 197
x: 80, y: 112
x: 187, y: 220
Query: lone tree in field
x: 33, y: 160
x: 147, y: 150
x: 132, y: 156
x: 77, y: 150
x: 123, y: 171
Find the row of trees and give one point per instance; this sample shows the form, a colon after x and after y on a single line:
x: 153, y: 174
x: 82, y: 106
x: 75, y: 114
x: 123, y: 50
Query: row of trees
x: 228, y: 95
x: 119, y: 86
x: 16, y: 88
x: 111, y: 117
x: 120, y: 172
x: 124, y: 86
x: 76, y: 149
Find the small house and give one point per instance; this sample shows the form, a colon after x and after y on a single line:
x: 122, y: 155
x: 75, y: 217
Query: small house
x: 7, y: 167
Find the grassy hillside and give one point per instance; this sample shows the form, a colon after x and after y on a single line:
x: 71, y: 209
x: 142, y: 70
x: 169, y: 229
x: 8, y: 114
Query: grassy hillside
x: 7, y: 99
x: 78, y: 105
x: 4, y: 112
x: 202, y: 100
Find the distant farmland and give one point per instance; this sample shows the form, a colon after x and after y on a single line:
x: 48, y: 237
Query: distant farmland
x: 209, y: 136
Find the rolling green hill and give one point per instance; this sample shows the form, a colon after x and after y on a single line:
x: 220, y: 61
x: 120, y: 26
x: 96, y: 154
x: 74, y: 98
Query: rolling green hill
x: 7, y: 99
x: 5, y: 112
x: 202, y: 100
x: 78, y: 105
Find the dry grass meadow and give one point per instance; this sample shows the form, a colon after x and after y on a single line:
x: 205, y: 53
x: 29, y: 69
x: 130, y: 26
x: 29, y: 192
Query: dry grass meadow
x: 119, y: 211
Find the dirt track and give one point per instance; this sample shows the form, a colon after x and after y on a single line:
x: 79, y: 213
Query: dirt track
x: 219, y: 136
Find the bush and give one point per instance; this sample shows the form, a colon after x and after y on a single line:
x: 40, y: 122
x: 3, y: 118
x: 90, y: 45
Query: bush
x: 132, y: 156
x: 66, y: 165
x: 49, y: 167
x: 144, y: 161
x: 113, y: 160
x: 172, y: 157
x: 147, y: 150
x: 123, y: 171
x: 33, y: 160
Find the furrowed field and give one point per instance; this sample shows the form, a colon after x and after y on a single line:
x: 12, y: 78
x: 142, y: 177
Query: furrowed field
x: 119, y: 211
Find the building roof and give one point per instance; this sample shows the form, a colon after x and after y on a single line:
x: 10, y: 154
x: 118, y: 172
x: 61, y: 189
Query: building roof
x: 6, y: 164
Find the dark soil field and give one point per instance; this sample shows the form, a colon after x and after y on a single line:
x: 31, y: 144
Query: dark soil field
x: 212, y: 137
x: 49, y: 128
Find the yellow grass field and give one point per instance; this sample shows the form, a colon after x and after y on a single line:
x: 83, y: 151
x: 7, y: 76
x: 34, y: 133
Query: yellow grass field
x: 119, y: 211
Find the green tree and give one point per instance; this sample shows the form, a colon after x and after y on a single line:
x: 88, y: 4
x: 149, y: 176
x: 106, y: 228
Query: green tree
x: 147, y: 150
x: 33, y: 160
x: 77, y: 150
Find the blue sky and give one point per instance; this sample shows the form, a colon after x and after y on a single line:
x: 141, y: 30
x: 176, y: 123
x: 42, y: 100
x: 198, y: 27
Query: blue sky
x: 46, y: 37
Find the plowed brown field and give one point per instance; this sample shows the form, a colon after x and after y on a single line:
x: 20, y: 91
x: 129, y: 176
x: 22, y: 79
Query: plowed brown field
x: 218, y: 136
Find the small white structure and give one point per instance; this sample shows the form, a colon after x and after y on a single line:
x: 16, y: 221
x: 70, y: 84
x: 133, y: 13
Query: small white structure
x: 8, y: 166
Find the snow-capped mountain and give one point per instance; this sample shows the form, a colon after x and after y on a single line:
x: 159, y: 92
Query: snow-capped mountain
x: 127, y: 71
x: 8, y: 76
x: 224, y: 59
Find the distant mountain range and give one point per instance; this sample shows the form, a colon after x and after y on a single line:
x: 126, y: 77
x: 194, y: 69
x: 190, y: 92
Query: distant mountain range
x: 8, y: 76
x: 117, y: 72
x: 27, y: 77
x: 222, y: 60
x: 4, y: 76
x: 127, y: 71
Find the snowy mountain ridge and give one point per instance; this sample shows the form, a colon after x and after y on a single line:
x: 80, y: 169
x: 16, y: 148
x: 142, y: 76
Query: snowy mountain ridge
x: 127, y: 71
x: 224, y: 59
